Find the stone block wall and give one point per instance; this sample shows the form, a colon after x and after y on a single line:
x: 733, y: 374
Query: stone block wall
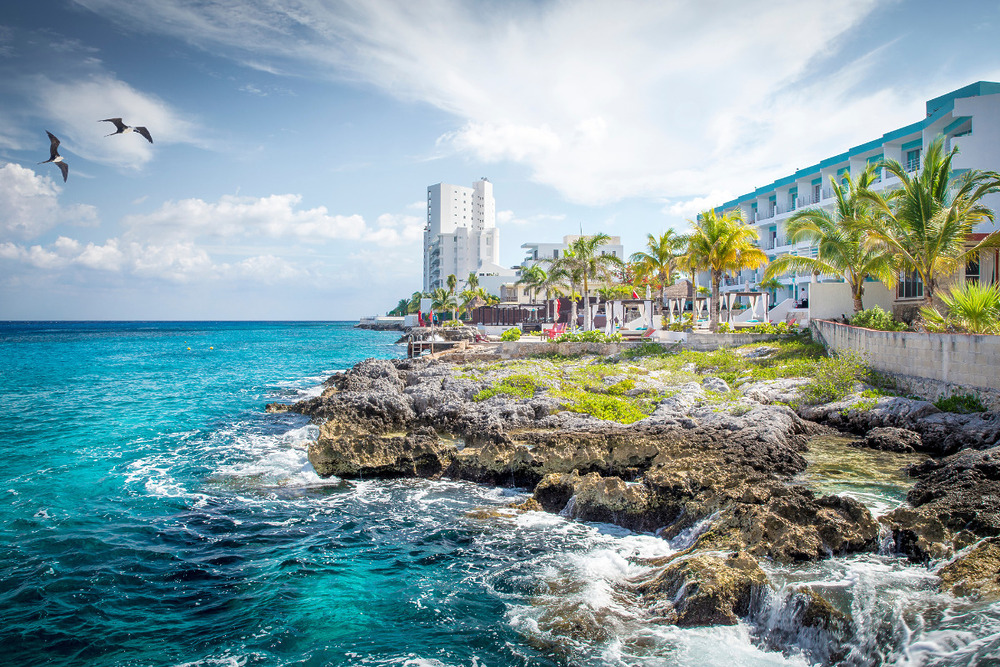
x: 931, y: 365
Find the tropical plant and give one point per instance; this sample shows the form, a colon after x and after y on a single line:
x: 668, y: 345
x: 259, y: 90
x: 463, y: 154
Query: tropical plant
x: 532, y: 277
x: 661, y: 258
x: 471, y: 298
x: 512, y: 334
x: 452, y: 282
x: 472, y: 282
x: 969, y: 307
x: 568, y: 274
x: 720, y: 244
x: 401, y: 307
x: 927, y: 222
x: 553, y: 287
x: 415, y: 298
x: 840, y: 239
x: 442, y: 301
x: 585, y: 260
x: 876, y: 318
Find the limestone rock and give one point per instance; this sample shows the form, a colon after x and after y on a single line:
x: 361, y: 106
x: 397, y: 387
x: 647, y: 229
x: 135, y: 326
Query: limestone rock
x: 975, y: 572
x: 704, y: 589
x: 891, y: 439
x: 963, y: 490
x: 918, y: 534
x: 351, y: 453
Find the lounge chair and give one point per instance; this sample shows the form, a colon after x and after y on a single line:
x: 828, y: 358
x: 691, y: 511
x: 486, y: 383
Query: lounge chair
x: 557, y: 330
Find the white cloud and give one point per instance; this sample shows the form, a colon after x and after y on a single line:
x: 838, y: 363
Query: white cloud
x: 76, y: 107
x: 274, y: 217
x: 507, y: 217
x: 662, y: 98
x: 689, y: 208
x: 29, y: 204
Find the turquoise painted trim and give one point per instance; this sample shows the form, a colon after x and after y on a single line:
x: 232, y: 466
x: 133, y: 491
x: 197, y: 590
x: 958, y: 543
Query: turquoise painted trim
x: 977, y: 89
x: 937, y: 108
x: 876, y: 158
x: 910, y: 145
x: 794, y: 191
x: 954, y: 125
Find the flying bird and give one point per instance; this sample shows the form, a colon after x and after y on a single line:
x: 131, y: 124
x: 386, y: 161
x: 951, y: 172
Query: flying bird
x: 55, y: 157
x: 124, y: 129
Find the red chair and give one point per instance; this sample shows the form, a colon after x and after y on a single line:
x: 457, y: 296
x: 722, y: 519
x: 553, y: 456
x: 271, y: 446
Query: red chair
x: 556, y: 331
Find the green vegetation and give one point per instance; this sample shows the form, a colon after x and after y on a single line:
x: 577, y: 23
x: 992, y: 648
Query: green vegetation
x: 592, y: 336
x: 876, y: 318
x: 645, y: 349
x: 621, y: 387
x: 835, y: 377
x: 515, y: 386
x: 969, y: 307
x: 795, y: 357
x: 514, y: 333
x: 840, y: 239
x: 960, y: 403
x: 720, y: 245
x: 602, y: 406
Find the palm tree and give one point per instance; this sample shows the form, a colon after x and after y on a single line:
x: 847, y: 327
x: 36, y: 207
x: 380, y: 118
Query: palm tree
x: 840, y: 237
x: 927, y: 221
x: 721, y: 244
x: 471, y: 298
x: 415, y: 298
x: 532, y: 277
x: 553, y: 286
x: 442, y: 301
x: 662, y: 259
x: 472, y: 282
x: 401, y: 307
x: 584, y: 258
x: 452, y: 281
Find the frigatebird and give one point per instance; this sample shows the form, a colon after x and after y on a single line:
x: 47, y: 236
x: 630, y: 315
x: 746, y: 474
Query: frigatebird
x: 123, y: 128
x: 55, y: 157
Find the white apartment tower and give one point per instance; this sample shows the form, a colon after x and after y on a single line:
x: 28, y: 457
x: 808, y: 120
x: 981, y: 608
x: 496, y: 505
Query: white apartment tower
x: 461, y: 235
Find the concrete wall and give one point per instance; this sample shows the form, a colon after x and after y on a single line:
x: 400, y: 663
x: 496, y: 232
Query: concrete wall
x: 942, y: 364
x: 828, y: 301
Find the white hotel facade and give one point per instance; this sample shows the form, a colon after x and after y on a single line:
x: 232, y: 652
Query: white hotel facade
x: 968, y: 118
x: 461, y: 236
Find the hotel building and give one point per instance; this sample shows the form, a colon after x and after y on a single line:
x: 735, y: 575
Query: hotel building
x: 968, y: 118
x: 461, y: 236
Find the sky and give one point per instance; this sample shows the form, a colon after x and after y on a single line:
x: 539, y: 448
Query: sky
x: 294, y: 140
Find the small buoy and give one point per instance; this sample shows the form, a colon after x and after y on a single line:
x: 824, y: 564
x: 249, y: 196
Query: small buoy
x: 210, y: 347
x: 189, y: 348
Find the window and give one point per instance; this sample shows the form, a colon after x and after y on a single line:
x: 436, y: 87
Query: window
x: 912, y: 159
x: 910, y: 286
x: 555, y: 254
x: 816, y: 192
x: 972, y: 271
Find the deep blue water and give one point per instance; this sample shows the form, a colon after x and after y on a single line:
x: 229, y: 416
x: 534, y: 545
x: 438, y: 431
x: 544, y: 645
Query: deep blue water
x: 151, y: 513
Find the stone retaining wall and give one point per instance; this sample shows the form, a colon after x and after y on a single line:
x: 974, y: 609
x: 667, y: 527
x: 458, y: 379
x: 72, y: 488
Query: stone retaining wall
x: 926, y: 364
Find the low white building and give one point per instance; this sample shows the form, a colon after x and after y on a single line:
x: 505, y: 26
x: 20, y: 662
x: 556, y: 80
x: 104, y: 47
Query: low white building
x: 968, y: 118
x: 536, y: 253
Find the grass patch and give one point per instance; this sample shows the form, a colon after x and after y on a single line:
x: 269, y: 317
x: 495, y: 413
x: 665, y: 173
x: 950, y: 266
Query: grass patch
x: 645, y: 349
x: 515, y: 386
x: 603, y: 406
x: 963, y: 404
x: 621, y: 387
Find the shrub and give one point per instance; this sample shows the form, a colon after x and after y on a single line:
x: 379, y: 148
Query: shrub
x: 960, y: 403
x: 511, y: 334
x: 876, y: 318
x: 594, y: 336
x: 834, y: 377
x: 622, y: 387
x: 970, y: 307
x: 724, y: 328
x: 515, y: 386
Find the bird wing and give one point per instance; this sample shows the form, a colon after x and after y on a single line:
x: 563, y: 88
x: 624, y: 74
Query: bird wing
x: 144, y: 132
x: 117, y: 121
x: 53, y: 145
x: 64, y: 168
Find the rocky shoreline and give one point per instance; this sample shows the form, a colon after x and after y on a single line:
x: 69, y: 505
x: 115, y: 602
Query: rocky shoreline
x: 710, y: 468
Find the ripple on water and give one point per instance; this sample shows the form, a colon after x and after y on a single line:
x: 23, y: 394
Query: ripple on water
x: 874, y: 478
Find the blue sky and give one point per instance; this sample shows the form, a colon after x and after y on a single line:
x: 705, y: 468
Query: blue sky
x: 294, y: 141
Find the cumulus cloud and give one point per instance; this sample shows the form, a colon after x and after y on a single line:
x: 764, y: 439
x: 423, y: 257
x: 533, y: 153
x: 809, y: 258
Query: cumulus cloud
x: 274, y: 216
x: 689, y: 208
x: 29, y: 204
x: 665, y: 98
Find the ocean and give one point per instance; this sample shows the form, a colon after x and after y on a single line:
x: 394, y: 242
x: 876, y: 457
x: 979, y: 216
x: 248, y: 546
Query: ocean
x: 152, y: 513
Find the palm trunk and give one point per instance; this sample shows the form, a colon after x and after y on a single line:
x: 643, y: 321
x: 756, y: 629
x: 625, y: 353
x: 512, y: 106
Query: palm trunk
x: 572, y: 309
x: 586, y: 304
x: 713, y: 318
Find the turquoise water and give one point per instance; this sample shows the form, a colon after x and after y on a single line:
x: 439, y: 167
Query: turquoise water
x: 151, y: 513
